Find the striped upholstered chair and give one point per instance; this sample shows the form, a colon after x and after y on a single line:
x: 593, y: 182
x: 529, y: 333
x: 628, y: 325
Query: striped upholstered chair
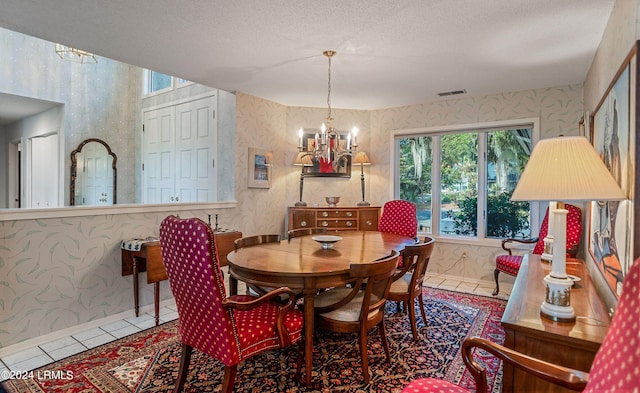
x: 616, y: 367
x: 510, y: 264
x: 399, y: 217
x: 228, y: 329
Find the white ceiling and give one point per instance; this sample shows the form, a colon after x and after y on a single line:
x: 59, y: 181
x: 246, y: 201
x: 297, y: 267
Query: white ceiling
x: 389, y: 52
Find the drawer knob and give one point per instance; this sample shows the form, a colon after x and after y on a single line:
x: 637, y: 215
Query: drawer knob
x: 369, y: 223
x: 303, y: 223
x: 325, y: 214
x: 325, y: 224
x: 349, y: 224
x: 349, y: 214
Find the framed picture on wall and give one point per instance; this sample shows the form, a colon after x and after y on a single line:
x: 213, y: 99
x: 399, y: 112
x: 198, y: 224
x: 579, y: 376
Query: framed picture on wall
x: 259, y: 168
x: 335, y: 166
x: 611, y: 232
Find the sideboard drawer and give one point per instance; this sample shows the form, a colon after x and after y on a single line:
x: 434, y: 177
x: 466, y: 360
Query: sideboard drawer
x: 322, y: 214
x: 303, y: 219
x: 338, y: 224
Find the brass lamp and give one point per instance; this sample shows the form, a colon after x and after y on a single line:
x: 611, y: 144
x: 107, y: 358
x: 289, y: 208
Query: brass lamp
x: 302, y: 159
x: 564, y: 169
x: 362, y: 159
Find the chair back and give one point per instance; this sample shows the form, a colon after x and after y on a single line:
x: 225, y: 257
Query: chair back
x: 399, y: 216
x: 417, y: 256
x: 255, y: 240
x: 574, y: 231
x: 191, y: 260
x: 378, y: 276
x: 616, y: 367
x: 305, y: 232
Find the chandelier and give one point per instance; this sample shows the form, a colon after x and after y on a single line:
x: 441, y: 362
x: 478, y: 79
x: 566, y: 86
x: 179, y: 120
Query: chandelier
x: 329, y: 149
x: 75, y: 55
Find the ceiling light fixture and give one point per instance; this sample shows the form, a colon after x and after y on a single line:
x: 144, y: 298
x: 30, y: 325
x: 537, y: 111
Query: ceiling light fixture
x: 330, y: 148
x: 75, y: 55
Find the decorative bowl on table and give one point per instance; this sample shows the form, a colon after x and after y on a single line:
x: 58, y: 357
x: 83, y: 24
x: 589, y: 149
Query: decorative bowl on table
x: 332, y: 201
x: 326, y: 241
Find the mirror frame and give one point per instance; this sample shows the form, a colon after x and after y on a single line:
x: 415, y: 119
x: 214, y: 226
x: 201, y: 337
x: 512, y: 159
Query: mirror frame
x: 74, y: 169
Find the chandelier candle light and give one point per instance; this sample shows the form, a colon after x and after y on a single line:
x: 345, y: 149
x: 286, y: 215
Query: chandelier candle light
x: 563, y: 169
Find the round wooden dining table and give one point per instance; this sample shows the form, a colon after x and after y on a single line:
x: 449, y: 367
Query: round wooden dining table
x: 301, y: 263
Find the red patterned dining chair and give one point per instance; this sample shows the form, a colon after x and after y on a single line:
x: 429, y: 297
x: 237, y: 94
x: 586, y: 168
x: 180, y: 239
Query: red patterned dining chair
x: 399, y: 216
x: 358, y: 308
x: 406, y: 285
x: 510, y: 264
x: 616, y: 367
x: 228, y: 329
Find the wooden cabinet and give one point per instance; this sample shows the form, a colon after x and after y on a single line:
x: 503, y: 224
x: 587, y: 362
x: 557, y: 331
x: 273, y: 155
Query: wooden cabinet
x: 571, y: 344
x: 360, y: 218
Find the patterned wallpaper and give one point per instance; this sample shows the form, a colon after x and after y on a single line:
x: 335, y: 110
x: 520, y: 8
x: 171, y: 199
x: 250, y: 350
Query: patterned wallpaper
x: 59, y: 272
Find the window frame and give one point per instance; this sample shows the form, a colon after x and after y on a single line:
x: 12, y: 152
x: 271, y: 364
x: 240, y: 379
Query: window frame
x: 147, y: 84
x: 481, y: 129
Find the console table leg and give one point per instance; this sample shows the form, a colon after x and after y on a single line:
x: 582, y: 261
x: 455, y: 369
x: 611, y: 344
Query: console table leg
x: 156, y: 301
x: 135, y: 286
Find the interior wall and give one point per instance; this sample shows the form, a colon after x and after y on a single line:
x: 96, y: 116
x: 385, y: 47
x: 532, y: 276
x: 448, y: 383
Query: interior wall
x: 619, y: 37
x: 101, y: 100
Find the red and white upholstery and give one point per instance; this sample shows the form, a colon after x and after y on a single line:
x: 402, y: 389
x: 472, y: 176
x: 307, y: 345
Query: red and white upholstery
x: 510, y: 264
x: 228, y: 329
x: 616, y: 367
x: 399, y: 217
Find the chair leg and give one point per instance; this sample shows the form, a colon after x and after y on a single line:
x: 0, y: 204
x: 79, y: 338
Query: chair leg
x: 424, y: 315
x: 364, y: 357
x: 412, y: 320
x: 495, y: 274
x: 229, y: 378
x: 383, y: 338
x: 185, y: 359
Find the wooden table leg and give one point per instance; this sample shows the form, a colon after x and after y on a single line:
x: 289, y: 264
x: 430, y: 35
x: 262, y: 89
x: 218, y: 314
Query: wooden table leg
x: 308, y: 335
x: 156, y: 301
x: 233, y: 285
x: 135, y: 285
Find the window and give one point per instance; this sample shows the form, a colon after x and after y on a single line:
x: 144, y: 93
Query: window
x: 461, y: 179
x: 155, y: 82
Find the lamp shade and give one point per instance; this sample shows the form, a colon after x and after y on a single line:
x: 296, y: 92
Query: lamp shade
x: 361, y: 158
x: 303, y: 159
x: 566, y: 169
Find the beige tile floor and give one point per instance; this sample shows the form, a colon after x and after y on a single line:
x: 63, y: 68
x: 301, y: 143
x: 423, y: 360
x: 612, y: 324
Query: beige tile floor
x: 43, y: 354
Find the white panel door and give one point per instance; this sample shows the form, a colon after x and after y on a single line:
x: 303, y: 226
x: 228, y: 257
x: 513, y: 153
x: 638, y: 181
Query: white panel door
x: 44, y: 171
x: 158, y: 155
x: 196, y: 135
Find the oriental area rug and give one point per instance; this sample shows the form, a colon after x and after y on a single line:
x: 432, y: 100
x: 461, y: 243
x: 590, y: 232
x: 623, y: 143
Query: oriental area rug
x: 148, y: 361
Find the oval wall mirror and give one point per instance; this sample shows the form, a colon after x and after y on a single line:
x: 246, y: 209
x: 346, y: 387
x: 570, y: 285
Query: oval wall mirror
x: 93, y: 174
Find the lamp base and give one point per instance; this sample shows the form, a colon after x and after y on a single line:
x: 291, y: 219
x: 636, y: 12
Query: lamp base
x: 364, y: 203
x: 301, y: 203
x: 557, y: 305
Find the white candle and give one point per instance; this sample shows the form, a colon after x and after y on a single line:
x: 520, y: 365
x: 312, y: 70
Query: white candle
x: 354, y: 132
x: 348, y: 141
x: 300, y: 133
x: 323, y: 134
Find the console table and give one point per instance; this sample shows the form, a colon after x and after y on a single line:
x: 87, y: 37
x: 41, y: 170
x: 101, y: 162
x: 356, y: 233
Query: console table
x: 571, y: 344
x: 148, y: 258
x: 350, y: 218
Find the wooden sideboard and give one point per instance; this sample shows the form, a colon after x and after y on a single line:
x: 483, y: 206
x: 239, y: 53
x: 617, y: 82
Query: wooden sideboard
x: 571, y: 344
x: 355, y: 218
x: 149, y: 259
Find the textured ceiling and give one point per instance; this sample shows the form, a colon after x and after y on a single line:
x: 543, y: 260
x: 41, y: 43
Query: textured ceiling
x: 389, y: 53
